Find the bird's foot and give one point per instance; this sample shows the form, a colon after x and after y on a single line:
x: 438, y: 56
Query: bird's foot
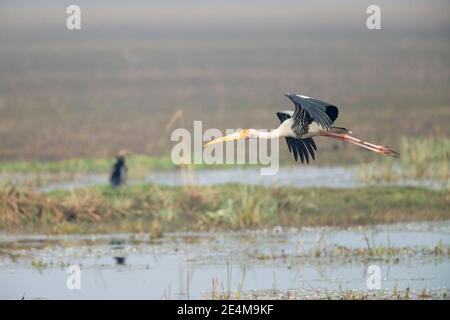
x: 384, y: 150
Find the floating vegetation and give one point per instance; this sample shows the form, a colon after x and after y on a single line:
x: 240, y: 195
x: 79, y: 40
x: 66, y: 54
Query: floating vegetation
x: 339, y: 253
x: 39, y: 264
x: 320, y: 294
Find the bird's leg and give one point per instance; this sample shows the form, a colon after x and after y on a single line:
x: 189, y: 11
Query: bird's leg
x: 370, y: 146
x: 384, y: 150
x: 363, y: 142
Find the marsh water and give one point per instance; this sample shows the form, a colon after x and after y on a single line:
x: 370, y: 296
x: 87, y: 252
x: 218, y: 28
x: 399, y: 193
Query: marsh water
x: 413, y: 259
x: 281, y: 263
x: 301, y: 177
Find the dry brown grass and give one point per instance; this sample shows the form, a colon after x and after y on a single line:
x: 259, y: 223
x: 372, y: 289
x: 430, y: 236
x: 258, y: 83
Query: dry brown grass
x: 22, y: 208
x: 153, y: 209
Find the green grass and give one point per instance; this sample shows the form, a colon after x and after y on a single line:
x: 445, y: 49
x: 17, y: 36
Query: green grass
x: 154, y: 209
x: 420, y: 158
x: 140, y: 164
x: 137, y: 164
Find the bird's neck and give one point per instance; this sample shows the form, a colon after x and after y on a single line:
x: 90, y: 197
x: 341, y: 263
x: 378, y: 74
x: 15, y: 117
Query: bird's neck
x: 267, y: 134
x: 284, y: 130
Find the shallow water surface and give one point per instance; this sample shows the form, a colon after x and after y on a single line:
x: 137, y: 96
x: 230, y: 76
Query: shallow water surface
x: 300, y: 177
x: 185, y: 265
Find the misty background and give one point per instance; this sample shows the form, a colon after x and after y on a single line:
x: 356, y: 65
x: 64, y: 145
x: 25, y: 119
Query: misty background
x: 117, y: 82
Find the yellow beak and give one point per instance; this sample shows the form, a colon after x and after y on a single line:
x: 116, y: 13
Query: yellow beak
x: 234, y: 136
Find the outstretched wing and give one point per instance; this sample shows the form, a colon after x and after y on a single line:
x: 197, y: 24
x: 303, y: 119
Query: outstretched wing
x: 308, y: 110
x: 301, y: 148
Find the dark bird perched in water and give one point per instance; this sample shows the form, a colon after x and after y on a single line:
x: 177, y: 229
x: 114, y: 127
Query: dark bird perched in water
x: 119, y: 169
x: 311, y: 118
x: 120, y: 260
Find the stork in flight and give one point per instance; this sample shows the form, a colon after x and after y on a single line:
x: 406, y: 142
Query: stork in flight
x: 311, y: 118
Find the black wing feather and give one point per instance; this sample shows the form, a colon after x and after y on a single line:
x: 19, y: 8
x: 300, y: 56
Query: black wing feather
x: 283, y: 116
x: 308, y: 109
x: 292, y: 147
x: 303, y: 148
x: 311, y: 146
x: 289, y: 144
x: 300, y: 148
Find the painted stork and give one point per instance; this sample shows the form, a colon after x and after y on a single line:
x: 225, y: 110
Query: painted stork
x: 311, y: 118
